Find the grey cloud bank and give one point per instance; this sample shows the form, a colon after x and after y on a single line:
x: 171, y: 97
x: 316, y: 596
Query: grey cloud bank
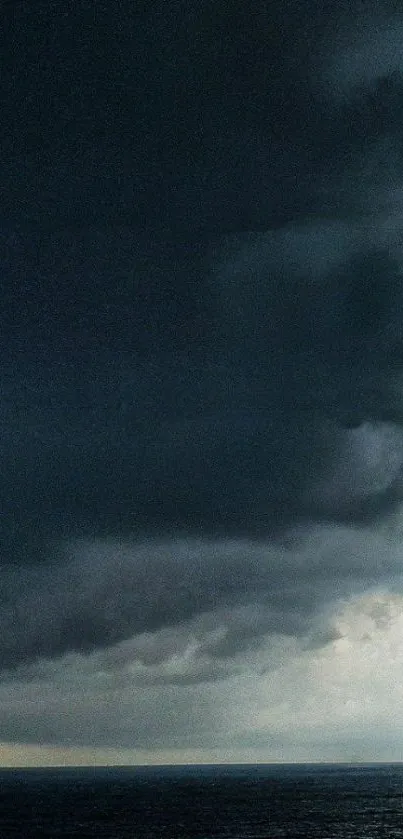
x: 205, y: 601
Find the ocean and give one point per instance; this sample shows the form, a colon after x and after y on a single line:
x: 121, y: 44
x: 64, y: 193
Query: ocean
x: 224, y: 802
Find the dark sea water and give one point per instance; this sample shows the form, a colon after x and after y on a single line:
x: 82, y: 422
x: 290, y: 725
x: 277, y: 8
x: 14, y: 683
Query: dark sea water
x: 235, y: 802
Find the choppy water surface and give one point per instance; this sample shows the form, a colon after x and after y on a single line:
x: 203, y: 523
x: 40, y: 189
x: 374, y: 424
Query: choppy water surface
x: 237, y: 802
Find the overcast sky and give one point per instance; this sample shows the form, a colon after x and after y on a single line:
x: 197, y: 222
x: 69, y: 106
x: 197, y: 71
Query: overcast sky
x: 201, y: 382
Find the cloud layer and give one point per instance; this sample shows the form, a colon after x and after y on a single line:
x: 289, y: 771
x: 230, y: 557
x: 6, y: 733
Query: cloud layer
x: 201, y: 373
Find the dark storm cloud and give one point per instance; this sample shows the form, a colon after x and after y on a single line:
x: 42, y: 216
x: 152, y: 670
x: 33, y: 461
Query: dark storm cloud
x: 205, y: 603
x: 221, y: 412
x: 166, y: 374
x: 187, y: 117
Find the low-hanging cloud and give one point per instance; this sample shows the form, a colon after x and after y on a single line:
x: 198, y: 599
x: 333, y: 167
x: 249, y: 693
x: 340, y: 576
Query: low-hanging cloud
x: 184, y: 610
